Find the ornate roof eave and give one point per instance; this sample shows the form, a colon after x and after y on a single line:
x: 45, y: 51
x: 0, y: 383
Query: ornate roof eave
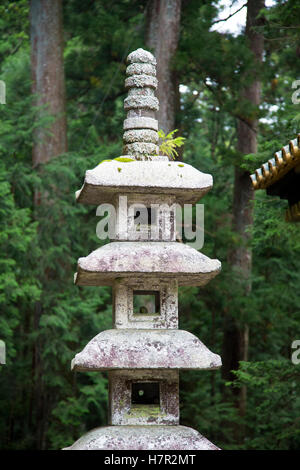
x: 274, y: 169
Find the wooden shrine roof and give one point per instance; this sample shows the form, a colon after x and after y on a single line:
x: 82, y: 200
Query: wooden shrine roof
x: 275, y: 168
x: 280, y: 176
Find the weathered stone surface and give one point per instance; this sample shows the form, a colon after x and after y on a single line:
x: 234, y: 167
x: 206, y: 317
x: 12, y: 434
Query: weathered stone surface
x: 143, y: 438
x: 141, y: 69
x: 141, y: 112
x: 140, y: 81
x: 123, y: 314
x: 140, y: 123
x: 124, y: 412
x: 140, y: 135
x: 139, y: 149
x: 156, y: 177
x: 145, y: 91
x: 163, y: 218
x: 145, y: 349
x: 141, y: 101
x: 144, y: 259
x: 140, y: 55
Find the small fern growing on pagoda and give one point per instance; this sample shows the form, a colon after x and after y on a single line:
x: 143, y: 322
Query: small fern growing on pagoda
x: 169, y: 144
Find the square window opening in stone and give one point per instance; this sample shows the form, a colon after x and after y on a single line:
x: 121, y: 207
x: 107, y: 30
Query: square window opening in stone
x: 146, y: 302
x: 145, y: 393
x: 144, y: 216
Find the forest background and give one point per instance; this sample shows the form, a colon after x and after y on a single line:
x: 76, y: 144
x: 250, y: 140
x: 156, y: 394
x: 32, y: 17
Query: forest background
x: 230, y: 96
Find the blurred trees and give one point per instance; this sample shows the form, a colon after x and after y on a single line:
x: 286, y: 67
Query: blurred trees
x: 48, y: 81
x: 236, y: 330
x: 40, y: 247
x: 162, y: 35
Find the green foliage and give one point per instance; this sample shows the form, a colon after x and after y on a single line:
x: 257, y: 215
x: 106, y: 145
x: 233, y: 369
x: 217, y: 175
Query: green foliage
x: 169, y: 144
x: 274, y: 405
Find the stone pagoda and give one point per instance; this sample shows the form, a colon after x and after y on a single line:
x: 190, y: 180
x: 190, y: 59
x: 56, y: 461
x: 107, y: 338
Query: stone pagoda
x: 144, y: 264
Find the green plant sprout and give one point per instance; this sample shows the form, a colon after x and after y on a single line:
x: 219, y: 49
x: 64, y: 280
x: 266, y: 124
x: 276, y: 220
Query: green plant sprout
x: 169, y: 144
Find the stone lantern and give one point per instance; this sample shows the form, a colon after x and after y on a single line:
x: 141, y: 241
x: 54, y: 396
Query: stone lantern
x: 144, y: 264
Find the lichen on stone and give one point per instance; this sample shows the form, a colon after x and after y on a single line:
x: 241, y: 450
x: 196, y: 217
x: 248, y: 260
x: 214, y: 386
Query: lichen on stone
x: 118, y: 159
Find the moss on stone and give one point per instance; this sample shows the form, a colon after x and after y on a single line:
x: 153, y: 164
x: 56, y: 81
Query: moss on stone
x: 145, y: 411
x: 124, y: 159
x: 119, y: 159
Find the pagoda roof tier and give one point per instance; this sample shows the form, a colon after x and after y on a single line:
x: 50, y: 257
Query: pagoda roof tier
x: 114, y: 177
x: 142, y: 438
x: 143, y: 260
x: 145, y: 349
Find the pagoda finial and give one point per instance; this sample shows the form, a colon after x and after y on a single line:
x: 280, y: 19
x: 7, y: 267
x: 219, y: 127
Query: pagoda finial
x: 141, y: 137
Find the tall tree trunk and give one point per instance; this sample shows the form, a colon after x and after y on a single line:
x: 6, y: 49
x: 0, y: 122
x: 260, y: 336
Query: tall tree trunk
x: 48, y: 78
x: 236, y: 331
x: 162, y: 34
x: 48, y: 85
